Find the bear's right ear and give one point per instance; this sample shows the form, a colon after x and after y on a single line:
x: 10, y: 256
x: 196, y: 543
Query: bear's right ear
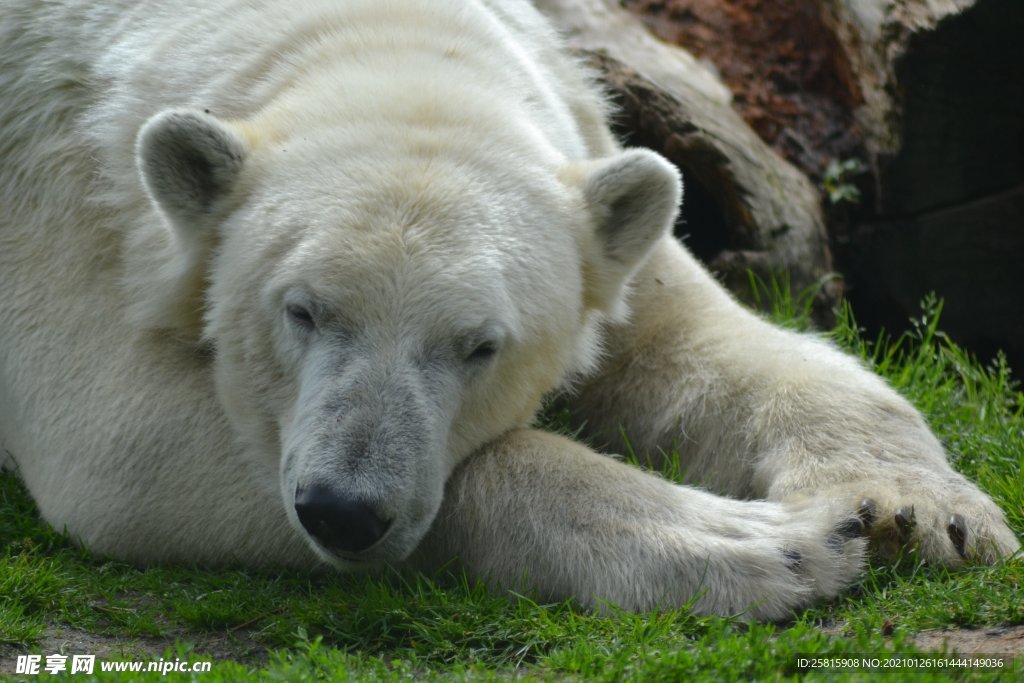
x: 189, y: 163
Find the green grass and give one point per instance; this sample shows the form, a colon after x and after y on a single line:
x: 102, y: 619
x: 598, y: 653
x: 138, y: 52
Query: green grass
x: 401, y: 626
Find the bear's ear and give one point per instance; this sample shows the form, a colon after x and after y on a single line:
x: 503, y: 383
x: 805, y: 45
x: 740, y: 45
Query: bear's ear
x: 633, y: 200
x: 189, y: 163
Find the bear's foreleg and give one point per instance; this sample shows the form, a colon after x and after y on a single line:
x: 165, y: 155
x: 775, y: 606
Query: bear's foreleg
x: 539, y: 512
x: 760, y: 412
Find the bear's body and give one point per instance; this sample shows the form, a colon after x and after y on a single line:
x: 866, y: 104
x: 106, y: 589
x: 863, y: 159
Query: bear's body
x: 286, y: 282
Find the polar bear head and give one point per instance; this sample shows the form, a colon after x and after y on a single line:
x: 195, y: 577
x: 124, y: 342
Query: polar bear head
x: 381, y: 308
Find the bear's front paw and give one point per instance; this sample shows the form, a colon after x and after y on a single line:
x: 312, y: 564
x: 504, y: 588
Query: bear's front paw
x: 772, y: 559
x: 964, y: 528
x: 943, y: 518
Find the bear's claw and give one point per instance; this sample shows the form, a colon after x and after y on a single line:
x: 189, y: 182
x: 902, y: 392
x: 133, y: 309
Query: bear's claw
x: 852, y: 527
x: 849, y: 528
x: 867, y: 511
x: 957, y: 530
x: 905, y: 523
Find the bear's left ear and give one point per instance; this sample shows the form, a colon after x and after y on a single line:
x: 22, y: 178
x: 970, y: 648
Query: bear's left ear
x: 633, y: 200
x: 190, y: 164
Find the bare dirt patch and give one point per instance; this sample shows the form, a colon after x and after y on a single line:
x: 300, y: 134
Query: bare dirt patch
x: 996, y: 640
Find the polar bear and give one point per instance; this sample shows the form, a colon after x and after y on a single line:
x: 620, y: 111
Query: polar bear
x: 285, y: 283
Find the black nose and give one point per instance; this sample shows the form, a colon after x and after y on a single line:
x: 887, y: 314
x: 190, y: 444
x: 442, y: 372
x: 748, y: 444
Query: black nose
x: 338, y: 522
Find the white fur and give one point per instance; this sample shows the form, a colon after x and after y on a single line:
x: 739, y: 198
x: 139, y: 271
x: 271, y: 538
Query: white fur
x: 253, y: 246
